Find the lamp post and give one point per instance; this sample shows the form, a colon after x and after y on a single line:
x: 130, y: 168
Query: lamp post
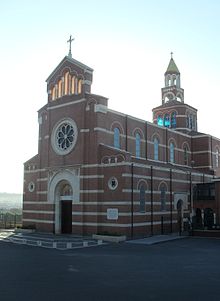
x: 191, y: 191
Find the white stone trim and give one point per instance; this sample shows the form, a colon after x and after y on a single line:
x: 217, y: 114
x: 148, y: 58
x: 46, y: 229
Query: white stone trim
x: 99, y: 108
x: 87, y: 82
x: 84, y: 130
x: 204, y: 152
x: 42, y: 179
x: 38, y: 211
x: 92, y: 191
x: 154, y: 178
x: 118, y: 225
x: 66, y: 104
x: 35, y: 202
x: 104, y: 130
x: 43, y: 221
x: 205, y: 166
x: 34, y: 170
x: 92, y: 177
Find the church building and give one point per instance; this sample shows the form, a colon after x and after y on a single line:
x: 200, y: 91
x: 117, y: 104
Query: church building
x: 100, y: 171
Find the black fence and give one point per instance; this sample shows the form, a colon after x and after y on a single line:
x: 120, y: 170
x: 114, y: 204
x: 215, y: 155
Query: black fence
x: 10, y: 220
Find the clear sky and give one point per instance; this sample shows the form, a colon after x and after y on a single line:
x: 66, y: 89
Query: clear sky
x: 126, y: 42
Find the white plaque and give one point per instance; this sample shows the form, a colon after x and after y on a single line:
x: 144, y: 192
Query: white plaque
x: 112, y: 213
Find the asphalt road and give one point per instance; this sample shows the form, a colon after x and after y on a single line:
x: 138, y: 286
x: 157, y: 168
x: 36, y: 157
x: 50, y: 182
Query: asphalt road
x: 186, y: 269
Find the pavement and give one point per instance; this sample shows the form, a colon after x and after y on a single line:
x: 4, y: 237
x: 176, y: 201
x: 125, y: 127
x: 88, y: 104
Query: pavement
x: 182, y: 269
x: 66, y: 242
x: 47, y: 240
x: 156, y: 239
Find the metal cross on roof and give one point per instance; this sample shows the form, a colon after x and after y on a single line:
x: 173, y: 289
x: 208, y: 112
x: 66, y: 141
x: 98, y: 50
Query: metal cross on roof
x: 70, y: 41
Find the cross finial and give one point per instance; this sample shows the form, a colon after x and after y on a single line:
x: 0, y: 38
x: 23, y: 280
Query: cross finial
x: 171, y: 53
x: 70, y: 41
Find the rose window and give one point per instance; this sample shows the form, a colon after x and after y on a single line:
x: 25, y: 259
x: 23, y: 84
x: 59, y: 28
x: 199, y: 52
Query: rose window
x: 65, y: 136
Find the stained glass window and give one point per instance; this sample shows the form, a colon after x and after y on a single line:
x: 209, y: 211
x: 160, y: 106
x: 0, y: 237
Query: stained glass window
x: 73, y: 83
x: 138, y: 145
x: 167, y: 120
x: 171, y: 152
x: 217, y: 158
x: 163, y: 197
x: 80, y: 86
x: 142, y: 199
x: 156, y: 149
x: 173, y: 120
x: 185, y: 154
x: 160, y: 120
x: 116, y: 138
x: 66, y: 83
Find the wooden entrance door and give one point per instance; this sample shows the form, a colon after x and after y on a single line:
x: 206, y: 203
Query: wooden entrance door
x: 66, y: 217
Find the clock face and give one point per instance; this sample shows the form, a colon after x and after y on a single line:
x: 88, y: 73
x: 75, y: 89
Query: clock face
x: 64, y: 136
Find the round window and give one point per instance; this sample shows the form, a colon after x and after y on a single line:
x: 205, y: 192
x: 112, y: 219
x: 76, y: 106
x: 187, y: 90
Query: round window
x: 31, y: 186
x: 112, y: 183
x: 64, y: 137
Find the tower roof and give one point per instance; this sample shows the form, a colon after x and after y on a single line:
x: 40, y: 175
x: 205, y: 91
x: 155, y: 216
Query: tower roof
x: 172, y: 67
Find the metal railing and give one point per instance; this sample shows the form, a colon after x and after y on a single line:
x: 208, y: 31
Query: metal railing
x: 10, y: 220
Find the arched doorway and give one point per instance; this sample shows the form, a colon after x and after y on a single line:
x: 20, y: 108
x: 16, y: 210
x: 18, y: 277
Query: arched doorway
x: 179, y: 207
x: 208, y: 218
x: 66, y: 207
x: 198, y: 218
x: 63, y: 191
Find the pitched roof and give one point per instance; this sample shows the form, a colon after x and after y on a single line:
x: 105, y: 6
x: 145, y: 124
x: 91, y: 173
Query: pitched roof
x: 172, y: 67
x: 71, y: 60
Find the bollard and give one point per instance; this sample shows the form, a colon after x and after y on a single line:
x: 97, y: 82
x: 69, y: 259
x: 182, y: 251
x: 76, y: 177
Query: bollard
x: 39, y: 243
x: 85, y: 244
x: 99, y: 242
x: 54, y: 244
x: 68, y: 245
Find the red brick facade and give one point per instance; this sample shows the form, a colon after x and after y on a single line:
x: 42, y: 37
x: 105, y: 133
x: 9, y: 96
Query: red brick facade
x: 116, y: 181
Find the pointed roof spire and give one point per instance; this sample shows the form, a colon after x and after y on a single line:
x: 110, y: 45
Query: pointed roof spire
x: 172, y: 67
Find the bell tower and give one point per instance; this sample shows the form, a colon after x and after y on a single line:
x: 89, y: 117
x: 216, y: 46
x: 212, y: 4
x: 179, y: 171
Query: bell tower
x: 173, y: 113
x: 172, y: 89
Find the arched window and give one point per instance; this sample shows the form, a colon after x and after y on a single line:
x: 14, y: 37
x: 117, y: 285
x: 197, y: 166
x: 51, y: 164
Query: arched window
x: 156, y: 149
x: 163, y: 197
x: 160, y: 120
x: 56, y: 91
x: 171, y: 152
x: 167, y: 120
x: 191, y: 121
x: 194, y: 122
x: 217, y: 158
x: 173, y: 120
x: 116, y: 138
x: 66, y: 83
x: 60, y: 88
x: 73, y: 85
x: 185, y: 155
x: 79, y: 86
x: 138, y: 145
x: 187, y: 121
x: 53, y: 93
x: 66, y: 190
x: 142, y: 199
